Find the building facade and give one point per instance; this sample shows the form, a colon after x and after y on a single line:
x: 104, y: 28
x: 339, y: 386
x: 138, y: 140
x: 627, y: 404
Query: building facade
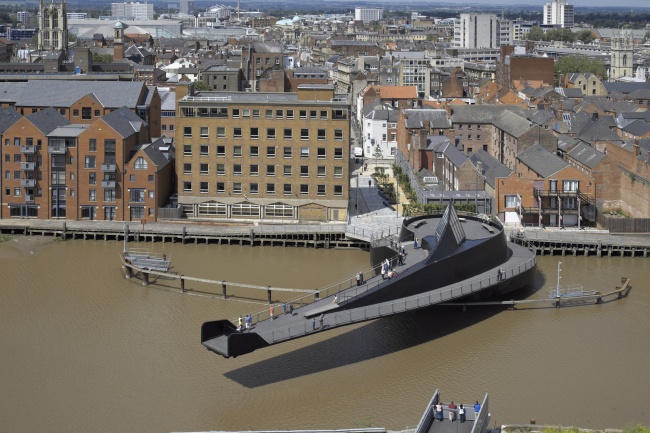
x: 558, y: 13
x: 368, y: 14
x: 256, y: 156
x: 622, y: 57
x: 476, y: 31
x: 132, y: 11
x: 53, y: 27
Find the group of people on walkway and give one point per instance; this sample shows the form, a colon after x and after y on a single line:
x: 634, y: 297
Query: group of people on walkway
x: 454, y: 411
x: 245, y: 322
x: 321, y: 319
x: 286, y: 309
x: 386, y: 270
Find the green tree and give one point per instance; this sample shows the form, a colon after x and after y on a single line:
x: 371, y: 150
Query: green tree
x: 536, y: 34
x: 102, y: 58
x: 585, y: 36
x: 201, y: 86
x: 377, y: 153
x: 575, y: 63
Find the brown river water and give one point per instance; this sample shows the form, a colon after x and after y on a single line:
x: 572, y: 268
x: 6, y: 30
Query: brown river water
x: 82, y: 349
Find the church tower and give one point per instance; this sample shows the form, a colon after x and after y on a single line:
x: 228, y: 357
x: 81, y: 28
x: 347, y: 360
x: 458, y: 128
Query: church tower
x: 118, y: 40
x: 622, y: 57
x: 53, y: 27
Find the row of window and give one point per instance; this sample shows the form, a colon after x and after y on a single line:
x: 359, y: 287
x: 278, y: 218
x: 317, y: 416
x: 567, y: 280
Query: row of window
x: 254, y: 170
x: 246, y: 113
x: 254, y: 133
x: 254, y: 151
x: 276, y: 210
x: 254, y: 188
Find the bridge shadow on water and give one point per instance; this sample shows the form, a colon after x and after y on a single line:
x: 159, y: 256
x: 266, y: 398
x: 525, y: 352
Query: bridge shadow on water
x: 375, y: 339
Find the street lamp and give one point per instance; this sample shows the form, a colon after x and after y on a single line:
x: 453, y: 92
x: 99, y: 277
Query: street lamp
x: 397, y: 195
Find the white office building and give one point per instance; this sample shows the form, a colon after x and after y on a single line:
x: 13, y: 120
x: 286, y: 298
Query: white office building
x: 558, y: 13
x: 133, y: 11
x: 476, y: 31
x: 368, y: 14
x: 77, y: 15
x: 23, y: 17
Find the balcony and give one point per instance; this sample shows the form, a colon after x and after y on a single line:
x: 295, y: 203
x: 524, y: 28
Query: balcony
x: 554, y: 193
x: 108, y: 184
x: 30, y: 150
x: 109, y: 167
x: 28, y: 166
x: 28, y: 183
x: 29, y: 199
x: 56, y: 150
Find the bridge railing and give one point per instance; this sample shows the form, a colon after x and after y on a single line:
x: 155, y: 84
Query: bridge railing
x: 573, y: 236
x: 437, y: 296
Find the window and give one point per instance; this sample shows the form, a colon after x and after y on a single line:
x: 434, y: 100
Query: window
x: 279, y: 114
x: 270, y: 170
x: 16, y: 174
x: 254, y: 188
x: 92, y: 194
x: 136, y: 195
x: 438, y: 154
x: 246, y: 112
x: 304, y: 171
x: 304, y: 189
x: 221, y: 187
x: 323, y: 114
x: 235, y: 113
x: 187, y: 150
x: 511, y: 201
x: 72, y: 175
x: 236, y: 169
x: 75, y: 113
x: 255, y: 151
x: 256, y: 113
x: 304, y: 134
x: 288, y: 133
x: 321, y: 152
x: 221, y: 150
x: 221, y: 169
x: 97, y: 113
x: 204, y: 132
x: 236, y: 133
x: 287, y: 170
x: 270, y: 133
x: 150, y: 179
x: 286, y: 189
x: 89, y: 162
x: 269, y: 114
x: 478, y: 136
x: 17, y: 157
x: 255, y: 133
x: 140, y: 164
x: 254, y: 170
x: 338, y: 190
x: 321, y: 134
x: 270, y: 188
x: 203, y: 169
x: 303, y: 114
x: 137, y: 212
x: 203, y: 187
x: 289, y: 114
x: 109, y: 194
x: 187, y: 131
x: 338, y: 153
x: 221, y: 131
x: 132, y: 178
x: 312, y: 114
x: 236, y: 151
x: 270, y: 151
x: 304, y: 152
x: 86, y: 113
x: 469, y: 137
x: 17, y: 192
x: 321, y: 171
x: 320, y: 190
x: 212, y: 209
x: 287, y: 152
x: 570, y: 185
x: 187, y: 168
x: 92, y: 145
x: 187, y: 186
x: 203, y: 150
x: 236, y: 188
x: 246, y: 209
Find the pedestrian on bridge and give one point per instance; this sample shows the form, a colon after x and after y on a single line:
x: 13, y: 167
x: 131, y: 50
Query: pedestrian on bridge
x: 461, y: 413
x: 284, y: 308
x: 271, y: 312
x: 452, y: 411
x: 438, y: 409
x: 322, y: 319
x: 313, y: 324
x: 291, y: 309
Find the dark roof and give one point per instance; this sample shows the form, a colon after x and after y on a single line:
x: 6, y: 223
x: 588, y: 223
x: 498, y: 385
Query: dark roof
x: 637, y: 128
x: 481, y: 113
x: 155, y: 155
x: 566, y: 143
x: 586, y: 155
x: 491, y: 168
x: 511, y: 123
x: 414, y: 118
x: 542, y: 161
x: 595, y: 130
x: 8, y: 116
x: 47, y: 120
x: 625, y: 88
x: 63, y: 93
x: 445, y: 146
x: 124, y: 121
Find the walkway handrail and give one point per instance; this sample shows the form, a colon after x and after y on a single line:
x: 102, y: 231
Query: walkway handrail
x: 436, y: 296
x: 572, y: 236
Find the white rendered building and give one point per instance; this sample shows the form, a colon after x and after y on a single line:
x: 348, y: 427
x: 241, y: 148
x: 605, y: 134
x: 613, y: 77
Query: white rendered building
x: 476, y: 31
x: 368, y: 14
x: 558, y: 13
x: 135, y: 11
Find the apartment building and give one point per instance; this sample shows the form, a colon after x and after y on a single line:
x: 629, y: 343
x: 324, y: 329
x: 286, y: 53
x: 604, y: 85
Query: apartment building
x: 477, y: 31
x: 132, y: 11
x: 271, y: 156
x: 559, y: 13
x: 368, y: 14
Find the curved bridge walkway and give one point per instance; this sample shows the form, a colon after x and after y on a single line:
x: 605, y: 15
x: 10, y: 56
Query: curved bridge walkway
x: 305, y: 320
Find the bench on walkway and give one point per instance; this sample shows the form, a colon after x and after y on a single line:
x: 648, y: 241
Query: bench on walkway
x: 320, y: 310
x: 419, y: 224
x: 488, y: 228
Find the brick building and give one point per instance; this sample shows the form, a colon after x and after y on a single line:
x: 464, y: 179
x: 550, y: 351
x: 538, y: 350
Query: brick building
x: 512, y: 66
x: 264, y: 155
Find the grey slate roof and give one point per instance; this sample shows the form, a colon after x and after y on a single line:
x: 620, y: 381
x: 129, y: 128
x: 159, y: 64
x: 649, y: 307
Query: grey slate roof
x: 72, y: 130
x: 124, y: 121
x: 491, y: 167
x: 540, y: 117
x: 542, y: 161
x: 155, y: 155
x: 512, y: 124
x: 445, y: 146
x: 586, y: 155
x: 9, y: 92
x: 566, y: 143
x: 8, y: 116
x: 481, y: 113
x: 387, y: 115
x: 168, y: 101
x: 595, y: 130
x: 570, y: 92
x: 55, y: 93
x: 637, y: 128
x: 47, y: 120
x: 414, y: 118
x: 625, y: 87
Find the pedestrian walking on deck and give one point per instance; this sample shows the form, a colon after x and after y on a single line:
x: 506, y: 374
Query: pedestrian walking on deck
x: 438, y: 409
x: 358, y: 279
x: 239, y: 327
x: 249, y: 321
x: 291, y: 309
x: 383, y: 273
x: 452, y: 411
x: 284, y: 308
x: 322, y: 319
x: 369, y: 183
x: 461, y: 413
x: 477, y: 409
x: 313, y: 324
x: 336, y: 299
x: 415, y: 244
x: 271, y: 312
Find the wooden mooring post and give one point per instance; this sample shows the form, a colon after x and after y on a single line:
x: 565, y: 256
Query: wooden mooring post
x: 182, y: 284
x: 268, y: 292
x: 223, y: 290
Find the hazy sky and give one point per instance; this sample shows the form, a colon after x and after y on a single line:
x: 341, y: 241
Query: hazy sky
x: 579, y: 3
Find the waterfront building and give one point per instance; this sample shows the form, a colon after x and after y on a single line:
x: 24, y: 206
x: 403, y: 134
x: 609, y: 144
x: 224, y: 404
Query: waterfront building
x: 558, y: 13
x: 368, y: 14
x: 275, y: 156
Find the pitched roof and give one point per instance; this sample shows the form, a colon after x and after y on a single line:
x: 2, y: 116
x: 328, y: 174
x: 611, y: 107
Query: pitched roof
x: 72, y: 130
x: 586, y: 155
x: 491, y: 168
x: 8, y: 116
x: 638, y: 128
x: 481, y: 113
x: 595, y: 130
x: 124, y: 121
x: 511, y: 123
x: 541, y: 161
x: 63, y: 93
x: 47, y: 120
x: 414, y: 118
x: 440, y: 143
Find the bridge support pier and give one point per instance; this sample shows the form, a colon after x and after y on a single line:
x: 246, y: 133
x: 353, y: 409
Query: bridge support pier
x: 127, y: 271
x: 145, y: 278
x: 268, y: 292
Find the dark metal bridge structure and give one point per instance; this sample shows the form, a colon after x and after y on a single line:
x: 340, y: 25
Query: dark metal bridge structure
x: 348, y: 303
